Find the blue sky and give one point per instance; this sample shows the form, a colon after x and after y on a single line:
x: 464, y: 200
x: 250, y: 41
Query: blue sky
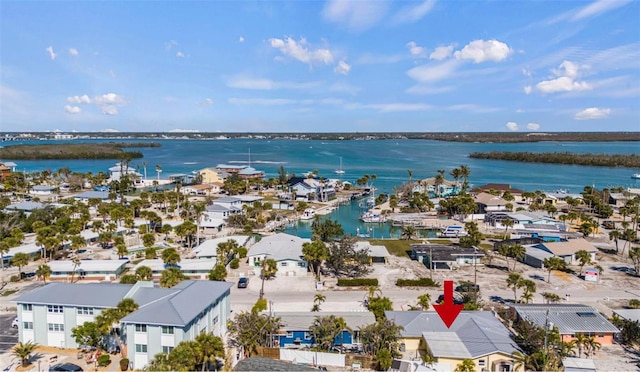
x: 320, y: 66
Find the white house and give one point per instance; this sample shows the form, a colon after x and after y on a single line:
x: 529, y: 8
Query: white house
x: 193, y: 268
x: 42, y: 190
x: 103, y: 270
x: 119, y: 170
x: 209, y: 248
x: 285, y: 249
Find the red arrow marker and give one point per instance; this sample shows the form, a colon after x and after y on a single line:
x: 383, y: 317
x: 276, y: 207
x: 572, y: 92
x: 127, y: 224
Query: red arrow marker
x: 448, y: 311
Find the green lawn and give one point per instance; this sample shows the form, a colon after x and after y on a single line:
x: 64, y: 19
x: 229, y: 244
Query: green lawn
x: 396, y: 247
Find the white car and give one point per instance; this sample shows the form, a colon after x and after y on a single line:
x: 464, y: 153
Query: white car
x: 15, y: 322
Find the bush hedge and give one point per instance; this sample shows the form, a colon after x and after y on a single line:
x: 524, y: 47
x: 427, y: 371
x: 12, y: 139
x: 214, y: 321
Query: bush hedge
x: 358, y: 282
x: 104, y: 360
x: 420, y: 282
x: 235, y: 263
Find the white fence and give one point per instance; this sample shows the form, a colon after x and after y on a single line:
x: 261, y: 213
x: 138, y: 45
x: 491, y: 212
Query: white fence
x: 312, y: 357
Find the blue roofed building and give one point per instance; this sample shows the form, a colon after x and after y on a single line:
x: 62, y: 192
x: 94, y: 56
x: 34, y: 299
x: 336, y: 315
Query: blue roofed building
x: 166, y: 316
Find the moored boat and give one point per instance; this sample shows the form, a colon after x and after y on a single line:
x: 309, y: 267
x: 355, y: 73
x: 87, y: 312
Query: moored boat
x: 636, y: 176
x: 308, y: 214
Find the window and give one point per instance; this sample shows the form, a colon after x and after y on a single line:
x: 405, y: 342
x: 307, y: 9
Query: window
x: 167, y: 330
x: 27, y: 307
x: 55, y: 327
x: 481, y: 362
x: 141, y: 327
x: 307, y: 335
x: 600, y: 335
x: 140, y: 348
x: 54, y: 309
x: 167, y: 349
x: 289, y: 334
x: 215, y: 319
x: 283, y: 264
x: 27, y: 325
x: 85, y: 311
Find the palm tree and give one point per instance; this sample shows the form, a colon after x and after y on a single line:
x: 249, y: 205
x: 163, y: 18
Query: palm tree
x: 4, y: 248
x: 20, y: 259
x: 269, y: 269
x: 553, y: 263
x: 318, y: 299
x: 507, y: 223
x: 144, y: 273
x: 171, y: 277
x: 424, y: 301
x: 209, y: 348
x: 515, y: 281
x: 44, y: 272
x: 158, y: 170
x: 23, y: 351
x: 591, y: 345
x: 464, y: 173
x: 144, y: 166
x: 580, y: 340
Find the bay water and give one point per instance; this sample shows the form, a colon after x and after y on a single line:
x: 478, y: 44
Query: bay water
x: 390, y: 160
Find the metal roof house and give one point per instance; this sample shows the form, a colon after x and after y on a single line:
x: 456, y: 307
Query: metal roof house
x: 285, y: 249
x: 193, y: 268
x: 166, y: 316
x: 439, y: 256
x: 209, y: 248
x: 475, y: 335
x: 106, y: 270
x: 571, y: 319
x: 295, y: 327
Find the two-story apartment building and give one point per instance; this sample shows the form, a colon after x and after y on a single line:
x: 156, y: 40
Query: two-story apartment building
x: 166, y: 316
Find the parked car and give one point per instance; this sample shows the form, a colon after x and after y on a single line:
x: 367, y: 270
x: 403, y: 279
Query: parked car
x: 66, y: 367
x: 15, y: 323
x: 468, y: 287
x: 242, y: 283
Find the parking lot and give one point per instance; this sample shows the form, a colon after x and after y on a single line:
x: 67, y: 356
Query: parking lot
x: 8, y: 334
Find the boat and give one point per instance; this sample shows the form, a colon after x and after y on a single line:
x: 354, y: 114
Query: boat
x: 636, y: 176
x: 308, y: 214
x: 340, y: 170
x: 372, y: 217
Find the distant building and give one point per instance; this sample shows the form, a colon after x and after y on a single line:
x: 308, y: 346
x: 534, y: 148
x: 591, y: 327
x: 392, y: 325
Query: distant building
x: 42, y: 190
x: 211, y: 175
x: 285, y: 249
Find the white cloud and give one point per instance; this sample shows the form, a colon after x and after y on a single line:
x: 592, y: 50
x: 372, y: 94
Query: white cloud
x: 109, y: 130
x: 592, y: 113
x: 109, y: 99
x: 79, y: 99
x: 355, y: 15
x: 170, y: 44
x: 441, y: 52
x: 180, y: 55
x: 484, y: 50
x: 512, y: 126
x: 301, y: 52
x: 206, y: 102
x: 49, y: 49
x: 415, y: 50
x: 566, y: 81
x: 109, y: 110
x: 528, y: 89
x: 430, y: 73
x: 72, y: 109
x: 241, y: 39
x: 410, y: 14
x: 533, y: 126
x: 73, y: 52
x: 179, y: 130
x: 342, y: 68
x: 598, y: 7
x: 108, y: 103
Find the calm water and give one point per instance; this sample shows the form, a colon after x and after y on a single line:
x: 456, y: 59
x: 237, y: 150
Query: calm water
x: 389, y: 160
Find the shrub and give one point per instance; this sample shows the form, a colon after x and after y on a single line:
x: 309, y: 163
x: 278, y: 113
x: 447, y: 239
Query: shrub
x: 104, y: 360
x: 235, y: 263
x: 358, y: 282
x: 242, y: 252
x: 124, y: 364
x: 14, y: 278
x: 420, y: 282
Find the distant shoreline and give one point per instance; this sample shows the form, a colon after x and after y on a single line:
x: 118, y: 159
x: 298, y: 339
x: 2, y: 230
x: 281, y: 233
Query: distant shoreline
x: 596, y: 160
x: 481, y: 137
x: 73, y: 151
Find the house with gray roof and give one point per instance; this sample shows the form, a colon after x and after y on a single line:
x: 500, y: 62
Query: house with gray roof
x: 165, y: 317
x: 475, y: 335
x: 25, y: 206
x: 209, y: 248
x: 67, y: 270
x: 285, y: 249
x: 570, y: 319
x: 191, y: 267
x: 42, y: 190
